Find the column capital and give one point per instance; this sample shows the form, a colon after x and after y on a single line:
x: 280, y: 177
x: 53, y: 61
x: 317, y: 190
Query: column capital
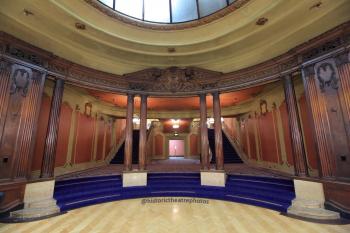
x: 215, y: 93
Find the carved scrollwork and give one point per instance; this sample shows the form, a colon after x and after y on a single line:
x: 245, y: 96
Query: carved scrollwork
x: 173, y: 79
x: 326, y: 74
x: 24, y: 55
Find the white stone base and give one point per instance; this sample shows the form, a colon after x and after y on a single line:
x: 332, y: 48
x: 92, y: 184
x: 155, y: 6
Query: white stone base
x: 213, y: 178
x: 309, y: 201
x: 134, y: 178
x: 38, y: 201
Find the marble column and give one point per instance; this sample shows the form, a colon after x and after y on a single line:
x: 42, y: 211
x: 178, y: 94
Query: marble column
x: 299, y: 155
x: 218, y: 132
x: 48, y: 164
x: 204, y: 133
x: 143, y: 133
x: 128, y: 133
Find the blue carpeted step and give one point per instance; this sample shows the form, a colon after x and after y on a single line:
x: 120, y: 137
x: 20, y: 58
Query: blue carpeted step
x: 92, y: 185
x: 85, y: 179
x: 260, y: 178
x: 266, y: 192
x: 258, y: 185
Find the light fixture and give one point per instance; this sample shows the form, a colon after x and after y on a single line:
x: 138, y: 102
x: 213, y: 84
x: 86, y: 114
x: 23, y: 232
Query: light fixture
x: 176, y: 123
x: 136, y: 120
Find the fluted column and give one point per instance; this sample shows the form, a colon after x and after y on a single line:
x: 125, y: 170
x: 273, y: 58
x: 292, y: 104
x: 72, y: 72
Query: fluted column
x: 299, y: 156
x: 128, y: 133
x: 204, y: 133
x: 218, y: 132
x: 143, y: 133
x: 48, y: 164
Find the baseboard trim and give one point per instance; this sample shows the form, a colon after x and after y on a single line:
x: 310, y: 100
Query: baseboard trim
x: 343, y: 213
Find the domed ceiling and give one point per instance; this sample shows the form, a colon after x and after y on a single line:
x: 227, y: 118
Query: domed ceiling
x: 252, y: 33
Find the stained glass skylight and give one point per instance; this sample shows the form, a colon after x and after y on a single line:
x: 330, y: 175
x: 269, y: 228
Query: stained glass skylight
x: 167, y: 11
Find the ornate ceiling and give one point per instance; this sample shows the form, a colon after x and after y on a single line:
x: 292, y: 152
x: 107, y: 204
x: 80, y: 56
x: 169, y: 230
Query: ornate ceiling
x: 230, y: 43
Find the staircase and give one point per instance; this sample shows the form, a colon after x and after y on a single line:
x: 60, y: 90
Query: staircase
x: 230, y: 154
x: 119, y: 157
x: 267, y: 192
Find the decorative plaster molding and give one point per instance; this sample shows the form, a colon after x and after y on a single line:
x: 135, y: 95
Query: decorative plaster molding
x: 176, y: 81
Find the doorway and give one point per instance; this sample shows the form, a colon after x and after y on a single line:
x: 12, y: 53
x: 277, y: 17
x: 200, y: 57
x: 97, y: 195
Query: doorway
x: 176, y: 148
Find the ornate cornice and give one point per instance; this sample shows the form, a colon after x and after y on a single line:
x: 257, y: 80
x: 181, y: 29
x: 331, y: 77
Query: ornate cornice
x: 178, y: 26
x: 175, y: 81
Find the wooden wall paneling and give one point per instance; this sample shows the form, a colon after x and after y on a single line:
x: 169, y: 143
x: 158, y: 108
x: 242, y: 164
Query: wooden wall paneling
x: 343, y: 162
x: 337, y: 195
x: 21, y: 92
x: 319, y: 123
x: 11, y: 138
x: 5, y: 78
x: 328, y: 86
x: 48, y: 164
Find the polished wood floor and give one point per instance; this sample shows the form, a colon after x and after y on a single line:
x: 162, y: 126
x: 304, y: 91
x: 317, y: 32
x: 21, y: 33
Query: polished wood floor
x: 133, y: 216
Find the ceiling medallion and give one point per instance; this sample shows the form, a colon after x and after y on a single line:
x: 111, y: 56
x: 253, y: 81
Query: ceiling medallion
x: 80, y: 26
x: 262, y: 21
x: 316, y: 5
x: 159, y: 26
x: 27, y: 12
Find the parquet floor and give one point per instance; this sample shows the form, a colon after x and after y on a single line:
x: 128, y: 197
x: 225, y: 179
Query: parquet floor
x: 133, y: 216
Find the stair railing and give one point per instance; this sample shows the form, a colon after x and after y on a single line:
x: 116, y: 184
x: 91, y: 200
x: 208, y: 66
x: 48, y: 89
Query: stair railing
x: 115, y: 149
x: 234, y: 142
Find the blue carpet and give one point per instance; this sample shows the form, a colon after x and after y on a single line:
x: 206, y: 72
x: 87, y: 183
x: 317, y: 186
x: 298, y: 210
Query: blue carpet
x: 267, y: 192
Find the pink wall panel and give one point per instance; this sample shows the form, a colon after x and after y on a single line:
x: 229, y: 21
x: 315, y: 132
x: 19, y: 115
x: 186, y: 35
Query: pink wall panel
x: 176, y: 147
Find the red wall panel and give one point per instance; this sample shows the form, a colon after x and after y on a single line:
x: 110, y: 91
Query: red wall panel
x: 158, y: 144
x: 251, y: 135
x: 108, y: 129
x: 244, y: 141
x: 119, y: 128
x: 286, y: 132
x: 269, y: 150
x: 84, y: 139
x: 100, y: 139
x: 308, y: 137
x: 41, y: 132
x: 63, y: 134
x: 194, y: 144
